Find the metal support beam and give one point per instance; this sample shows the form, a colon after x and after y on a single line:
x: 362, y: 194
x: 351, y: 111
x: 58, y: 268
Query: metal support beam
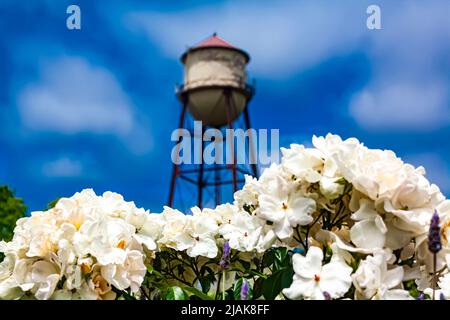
x: 175, y: 169
x: 200, y: 172
x: 217, y: 179
x: 202, y: 176
x: 251, y: 146
x: 229, y: 107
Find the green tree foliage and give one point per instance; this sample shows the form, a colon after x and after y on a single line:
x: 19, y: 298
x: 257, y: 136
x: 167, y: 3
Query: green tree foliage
x: 52, y: 204
x: 11, y: 209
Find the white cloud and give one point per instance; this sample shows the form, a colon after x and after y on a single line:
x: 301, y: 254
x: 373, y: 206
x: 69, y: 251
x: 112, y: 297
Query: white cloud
x: 73, y: 96
x: 63, y: 167
x: 408, y: 87
x: 282, y: 37
x: 402, y: 105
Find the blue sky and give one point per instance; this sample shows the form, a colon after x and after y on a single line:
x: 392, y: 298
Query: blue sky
x: 95, y: 107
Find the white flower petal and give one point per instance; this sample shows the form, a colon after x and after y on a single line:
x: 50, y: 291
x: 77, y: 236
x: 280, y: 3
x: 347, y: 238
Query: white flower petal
x: 204, y: 247
x: 397, y: 294
x: 310, y: 265
x: 283, y: 229
x: 393, y: 277
x: 300, y: 210
x: 300, y: 289
x: 335, y: 279
x: 366, y: 234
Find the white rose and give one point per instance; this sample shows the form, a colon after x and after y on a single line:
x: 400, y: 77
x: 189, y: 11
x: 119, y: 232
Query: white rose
x: 373, y: 279
x: 130, y: 274
x: 285, y: 208
x: 303, y: 163
x: 46, y: 276
x: 312, y: 280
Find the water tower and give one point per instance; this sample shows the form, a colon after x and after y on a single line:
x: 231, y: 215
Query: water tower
x: 215, y: 92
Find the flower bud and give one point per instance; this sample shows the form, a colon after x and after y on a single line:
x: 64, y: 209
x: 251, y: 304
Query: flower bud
x: 244, y: 290
x: 226, y: 256
x: 434, y: 235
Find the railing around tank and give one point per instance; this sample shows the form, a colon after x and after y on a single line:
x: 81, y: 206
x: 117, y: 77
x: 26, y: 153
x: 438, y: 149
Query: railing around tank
x: 249, y: 89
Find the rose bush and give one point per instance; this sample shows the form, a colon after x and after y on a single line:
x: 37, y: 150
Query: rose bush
x: 336, y: 221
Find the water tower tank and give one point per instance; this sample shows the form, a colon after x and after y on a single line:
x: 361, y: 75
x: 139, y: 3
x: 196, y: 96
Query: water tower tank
x: 212, y: 68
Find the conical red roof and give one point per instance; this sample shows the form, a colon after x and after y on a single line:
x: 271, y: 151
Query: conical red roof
x: 214, y: 41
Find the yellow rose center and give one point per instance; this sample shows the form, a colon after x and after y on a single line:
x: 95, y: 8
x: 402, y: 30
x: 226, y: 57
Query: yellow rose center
x: 121, y: 244
x: 85, y: 268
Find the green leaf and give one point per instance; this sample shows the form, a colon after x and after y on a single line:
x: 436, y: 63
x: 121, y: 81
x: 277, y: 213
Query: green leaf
x: 197, y: 293
x: 205, y: 283
x: 175, y: 293
x: 160, y: 286
x: 207, y: 277
x: 123, y: 294
x: 53, y: 203
x: 153, y: 271
x: 11, y: 209
x: 268, y: 258
x: 279, y: 280
x: 411, y: 287
x: 280, y: 254
x: 207, y: 270
x: 245, y: 264
x: 257, y: 273
x: 229, y: 295
x: 258, y: 288
x: 282, y: 259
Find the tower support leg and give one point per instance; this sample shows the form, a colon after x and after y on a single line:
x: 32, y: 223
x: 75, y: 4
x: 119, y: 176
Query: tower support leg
x: 175, y: 169
x: 200, y: 182
x: 198, y: 176
x: 229, y: 110
x: 251, y: 146
x: 216, y: 184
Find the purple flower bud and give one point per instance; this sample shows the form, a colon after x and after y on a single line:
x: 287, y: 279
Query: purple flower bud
x: 421, y: 297
x: 441, y: 296
x: 226, y: 256
x: 434, y: 235
x: 244, y: 290
x: 326, y: 295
